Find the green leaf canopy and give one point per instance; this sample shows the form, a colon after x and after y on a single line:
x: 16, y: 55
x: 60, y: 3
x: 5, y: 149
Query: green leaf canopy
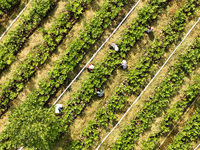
x: 37, y: 129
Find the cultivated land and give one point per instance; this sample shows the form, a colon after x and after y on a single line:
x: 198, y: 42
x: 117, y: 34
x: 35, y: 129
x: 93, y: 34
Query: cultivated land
x: 73, y: 129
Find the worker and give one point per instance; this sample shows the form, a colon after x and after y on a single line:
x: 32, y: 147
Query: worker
x: 114, y: 46
x: 100, y: 92
x: 124, y: 64
x: 58, y: 108
x: 149, y: 29
x: 90, y: 67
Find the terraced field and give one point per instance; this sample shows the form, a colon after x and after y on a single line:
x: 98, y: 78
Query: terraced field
x: 153, y: 104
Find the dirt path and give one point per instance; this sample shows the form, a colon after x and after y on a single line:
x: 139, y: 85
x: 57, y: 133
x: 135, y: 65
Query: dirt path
x: 139, y: 104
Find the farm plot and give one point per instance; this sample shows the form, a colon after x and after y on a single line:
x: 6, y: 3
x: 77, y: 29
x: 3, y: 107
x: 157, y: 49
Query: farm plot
x: 142, y: 122
x: 152, y: 108
x: 93, y: 125
x: 190, y: 133
x: 181, y: 107
x: 103, y: 9
x: 47, y: 23
x: 86, y: 119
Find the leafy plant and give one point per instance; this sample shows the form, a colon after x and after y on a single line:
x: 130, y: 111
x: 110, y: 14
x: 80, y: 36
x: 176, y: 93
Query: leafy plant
x: 40, y: 129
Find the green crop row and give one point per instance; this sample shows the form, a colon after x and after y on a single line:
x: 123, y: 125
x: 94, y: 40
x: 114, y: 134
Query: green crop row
x: 172, y: 116
x: 191, y: 132
x: 17, y: 37
x: 118, y: 101
x: 179, y: 108
x: 167, y: 89
x: 52, y: 37
x: 74, y: 54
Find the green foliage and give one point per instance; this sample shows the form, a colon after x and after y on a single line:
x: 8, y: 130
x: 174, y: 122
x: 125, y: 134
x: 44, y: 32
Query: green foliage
x: 37, y: 128
x: 168, y: 87
x: 117, y: 102
x: 101, y: 73
x: 151, y: 143
x: 173, y: 114
x: 58, y: 74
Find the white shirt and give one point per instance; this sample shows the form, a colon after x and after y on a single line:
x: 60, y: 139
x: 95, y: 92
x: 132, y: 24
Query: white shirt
x: 56, y: 109
x: 91, y: 67
x: 150, y: 30
x: 115, y: 46
x: 100, y: 93
x: 124, y: 64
